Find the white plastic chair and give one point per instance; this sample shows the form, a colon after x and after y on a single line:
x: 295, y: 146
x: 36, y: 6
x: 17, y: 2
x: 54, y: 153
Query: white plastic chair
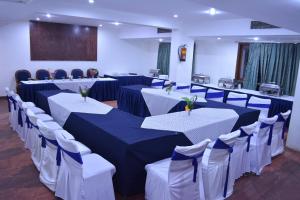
x: 82, y: 177
x: 237, y: 99
x: 183, y: 87
x: 157, y: 83
x: 175, y: 178
x: 36, y: 153
x: 240, y: 157
x: 277, y: 145
x: 260, y: 145
x: 216, y: 172
x: 199, y: 91
x: 260, y: 104
x: 48, y: 166
x: 215, y: 95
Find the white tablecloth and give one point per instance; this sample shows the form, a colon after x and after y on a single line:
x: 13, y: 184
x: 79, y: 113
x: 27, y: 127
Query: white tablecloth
x: 160, y: 102
x: 62, y: 104
x: 201, y: 124
x: 73, y: 84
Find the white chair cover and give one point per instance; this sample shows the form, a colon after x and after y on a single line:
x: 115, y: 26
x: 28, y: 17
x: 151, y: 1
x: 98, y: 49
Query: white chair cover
x: 37, y: 151
x: 24, y: 118
x: 240, y: 157
x: 215, y: 95
x: 277, y: 145
x: 237, y: 99
x: 83, y: 177
x: 260, y: 104
x: 199, y: 91
x: 172, y: 179
x: 183, y: 87
x: 14, y: 111
x: 157, y: 83
x: 163, y: 76
x: 260, y: 145
x: 10, y: 104
x: 217, y: 178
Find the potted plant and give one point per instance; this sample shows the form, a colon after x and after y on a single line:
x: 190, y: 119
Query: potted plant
x: 190, y: 103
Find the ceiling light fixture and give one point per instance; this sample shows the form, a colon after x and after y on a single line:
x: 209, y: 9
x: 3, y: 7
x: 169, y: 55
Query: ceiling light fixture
x: 48, y: 15
x: 38, y: 19
x: 256, y: 39
x: 218, y: 38
x: 175, y: 16
x: 116, y: 23
x: 160, y: 39
x: 100, y: 25
x: 91, y: 1
x: 212, y: 11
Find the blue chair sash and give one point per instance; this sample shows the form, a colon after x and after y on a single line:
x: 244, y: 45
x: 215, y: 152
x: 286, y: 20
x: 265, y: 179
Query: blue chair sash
x: 281, y: 119
x: 75, y: 156
x: 20, y: 120
x: 30, y: 125
x: 182, y: 87
x: 8, y: 103
x: 198, y: 90
x: 14, y: 102
x: 236, y: 99
x: 219, y: 144
x: 160, y: 83
x: 45, y: 140
x: 244, y: 134
x: 258, y: 105
x: 264, y: 125
x: 215, y: 95
x: 179, y: 156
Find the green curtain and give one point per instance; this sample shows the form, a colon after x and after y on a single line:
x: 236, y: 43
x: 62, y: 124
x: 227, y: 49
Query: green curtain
x: 194, y: 60
x: 163, y: 58
x: 273, y: 62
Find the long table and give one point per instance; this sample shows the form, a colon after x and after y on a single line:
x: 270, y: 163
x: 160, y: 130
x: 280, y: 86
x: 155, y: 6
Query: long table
x: 131, y: 79
x: 130, y: 99
x: 101, y: 89
x: 128, y: 141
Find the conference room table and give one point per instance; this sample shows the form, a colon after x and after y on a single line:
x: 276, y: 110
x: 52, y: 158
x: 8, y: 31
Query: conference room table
x: 143, y: 101
x: 130, y: 142
x: 101, y: 89
x: 131, y: 79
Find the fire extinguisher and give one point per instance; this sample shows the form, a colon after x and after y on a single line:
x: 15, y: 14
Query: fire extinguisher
x: 182, y: 53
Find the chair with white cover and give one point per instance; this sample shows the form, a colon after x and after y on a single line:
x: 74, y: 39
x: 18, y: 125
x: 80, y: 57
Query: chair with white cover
x: 237, y: 99
x: 240, y: 157
x: 183, y: 87
x: 157, y: 83
x: 48, y: 166
x: 9, y: 104
x: 260, y: 145
x: 163, y: 76
x: 178, y: 177
x: 36, y: 153
x: 14, y: 110
x: 215, y: 95
x: 198, y: 90
x: 82, y: 177
x: 217, y: 179
x: 260, y: 104
x: 277, y: 145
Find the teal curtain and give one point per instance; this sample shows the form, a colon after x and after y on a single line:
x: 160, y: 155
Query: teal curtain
x: 273, y: 62
x: 163, y: 58
x: 194, y: 60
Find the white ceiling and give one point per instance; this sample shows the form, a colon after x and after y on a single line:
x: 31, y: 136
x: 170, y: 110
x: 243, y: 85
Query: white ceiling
x: 158, y: 13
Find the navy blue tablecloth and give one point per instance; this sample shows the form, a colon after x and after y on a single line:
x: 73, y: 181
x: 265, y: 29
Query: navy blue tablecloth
x: 101, y: 90
x: 130, y: 99
x: 132, y: 80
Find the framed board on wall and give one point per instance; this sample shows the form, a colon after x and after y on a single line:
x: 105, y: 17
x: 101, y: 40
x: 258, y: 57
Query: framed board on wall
x: 62, y: 42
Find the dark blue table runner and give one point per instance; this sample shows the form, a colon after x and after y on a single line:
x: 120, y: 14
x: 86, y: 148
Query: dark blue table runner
x: 132, y: 80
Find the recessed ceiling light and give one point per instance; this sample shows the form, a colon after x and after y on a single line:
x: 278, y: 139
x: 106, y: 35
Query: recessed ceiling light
x: 48, y: 15
x: 175, y: 16
x: 160, y: 39
x: 100, y: 25
x: 116, y: 23
x: 38, y: 19
x: 256, y: 38
x: 212, y: 11
x: 91, y: 1
x: 218, y: 38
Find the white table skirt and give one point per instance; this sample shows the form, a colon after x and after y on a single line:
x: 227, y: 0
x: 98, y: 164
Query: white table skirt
x: 201, y: 124
x: 62, y: 104
x: 160, y: 102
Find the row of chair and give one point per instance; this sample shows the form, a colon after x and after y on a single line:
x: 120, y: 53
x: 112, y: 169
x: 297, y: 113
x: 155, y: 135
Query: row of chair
x: 66, y: 166
x: 233, y: 98
x: 42, y: 74
x: 208, y: 170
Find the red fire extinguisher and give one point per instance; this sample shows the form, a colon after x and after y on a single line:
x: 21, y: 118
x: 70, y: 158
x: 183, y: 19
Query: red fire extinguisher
x: 182, y: 53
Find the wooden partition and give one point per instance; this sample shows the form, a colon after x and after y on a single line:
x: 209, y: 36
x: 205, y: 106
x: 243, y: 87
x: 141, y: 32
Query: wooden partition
x: 62, y: 42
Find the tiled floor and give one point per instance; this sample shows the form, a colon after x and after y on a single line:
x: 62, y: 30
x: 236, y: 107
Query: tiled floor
x: 19, y: 178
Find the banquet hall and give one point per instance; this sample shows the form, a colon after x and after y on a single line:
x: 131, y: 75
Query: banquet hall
x: 154, y: 100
